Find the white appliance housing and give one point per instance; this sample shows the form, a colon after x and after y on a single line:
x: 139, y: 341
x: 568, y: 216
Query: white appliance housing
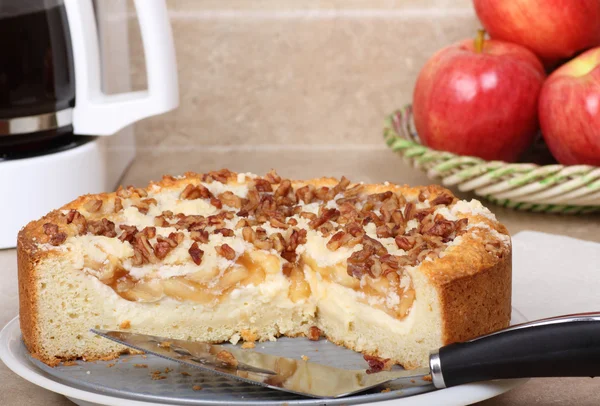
x: 31, y: 187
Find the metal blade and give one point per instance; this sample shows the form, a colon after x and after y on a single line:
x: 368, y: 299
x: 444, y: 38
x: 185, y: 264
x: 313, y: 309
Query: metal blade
x: 280, y: 373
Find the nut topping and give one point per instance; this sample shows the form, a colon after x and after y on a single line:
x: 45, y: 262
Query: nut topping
x: 225, y: 231
x: 118, y: 205
x: 200, y: 236
x: 56, y: 237
x: 230, y: 199
x: 192, y: 192
x: 93, y: 205
x: 77, y: 219
x: 225, y: 251
x: 314, y: 333
x: 272, y: 177
x: 102, y: 227
x: 196, y: 253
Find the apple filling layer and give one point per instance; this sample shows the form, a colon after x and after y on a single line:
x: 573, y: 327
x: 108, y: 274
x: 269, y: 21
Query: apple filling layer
x: 204, y: 241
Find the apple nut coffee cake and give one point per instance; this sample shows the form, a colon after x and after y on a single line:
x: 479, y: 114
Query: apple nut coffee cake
x: 390, y: 271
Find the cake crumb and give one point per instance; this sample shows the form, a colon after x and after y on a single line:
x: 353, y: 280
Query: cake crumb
x: 427, y: 378
x: 125, y: 325
x: 69, y: 363
x: 248, y: 345
x: 184, y: 373
x: 112, y: 364
x: 314, y: 333
x: 197, y: 387
x: 386, y: 390
x: 304, y: 358
x: 144, y: 356
x: 248, y: 335
x: 165, y: 344
x: 140, y: 366
x: 156, y: 375
x: 227, y: 358
x: 167, y: 370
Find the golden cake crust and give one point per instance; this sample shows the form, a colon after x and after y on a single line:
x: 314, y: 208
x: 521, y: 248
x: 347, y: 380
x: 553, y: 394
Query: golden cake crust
x: 471, y: 266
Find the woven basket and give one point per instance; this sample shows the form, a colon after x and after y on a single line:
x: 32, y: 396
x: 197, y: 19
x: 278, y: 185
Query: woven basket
x: 523, y: 186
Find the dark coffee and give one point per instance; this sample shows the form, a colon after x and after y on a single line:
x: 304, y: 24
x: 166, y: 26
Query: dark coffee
x: 36, y: 61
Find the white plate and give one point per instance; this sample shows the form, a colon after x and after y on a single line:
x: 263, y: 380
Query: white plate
x: 15, y: 356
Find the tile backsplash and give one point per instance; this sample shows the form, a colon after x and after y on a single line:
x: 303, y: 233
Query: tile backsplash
x: 280, y: 74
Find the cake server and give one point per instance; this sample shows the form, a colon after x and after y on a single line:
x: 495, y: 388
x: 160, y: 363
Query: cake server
x: 555, y: 347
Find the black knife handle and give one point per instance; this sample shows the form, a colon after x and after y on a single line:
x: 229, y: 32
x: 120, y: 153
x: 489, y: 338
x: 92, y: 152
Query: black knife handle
x: 567, y: 347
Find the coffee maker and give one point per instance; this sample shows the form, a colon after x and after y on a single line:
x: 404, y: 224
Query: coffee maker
x: 57, y: 125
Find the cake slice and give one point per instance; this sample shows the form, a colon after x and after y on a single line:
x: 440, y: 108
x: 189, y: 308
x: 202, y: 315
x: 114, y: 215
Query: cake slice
x: 391, y: 271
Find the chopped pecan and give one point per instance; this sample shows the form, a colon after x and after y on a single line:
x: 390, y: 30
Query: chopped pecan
x: 326, y: 229
x: 278, y: 242
x: 308, y: 215
x: 144, y: 205
x: 354, y: 191
x: 76, y: 218
x: 383, y: 231
x: 201, y: 236
x: 283, y: 189
x: 378, y: 247
x: 102, y: 227
x: 277, y: 223
x: 443, y: 198
x: 161, y: 221
x: 377, y: 364
x: 227, y: 232
x: 93, y: 205
x: 143, y: 251
x: 196, y: 253
x: 249, y: 204
x: 128, y: 233
x: 314, y: 333
x: 380, y: 197
x: 118, y: 206
x: 165, y: 245
x: 357, y: 263
x: 262, y: 185
x: 404, y: 243
x: 225, y: 251
x: 130, y: 191
x: 389, y: 206
x: 192, y: 192
x: 339, y: 188
x: 216, y: 202
x: 56, y: 237
x: 338, y: 240
x: 230, y: 199
x: 272, y: 177
x: 321, y: 193
x: 421, y: 214
x: 149, y: 232
x: 409, y: 210
x: 440, y: 227
x: 298, y: 237
x: 327, y: 215
x: 222, y: 175
x: 306, y: 194
x: 424, y: 195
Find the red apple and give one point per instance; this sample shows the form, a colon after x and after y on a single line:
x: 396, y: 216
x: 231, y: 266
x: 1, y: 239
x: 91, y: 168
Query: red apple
x: 553, y: 29
x: 569, y: 110
x: 479, y: 98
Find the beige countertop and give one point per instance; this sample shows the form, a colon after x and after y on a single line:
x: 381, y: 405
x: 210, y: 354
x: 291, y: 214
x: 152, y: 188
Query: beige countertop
x: 360, y: 164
